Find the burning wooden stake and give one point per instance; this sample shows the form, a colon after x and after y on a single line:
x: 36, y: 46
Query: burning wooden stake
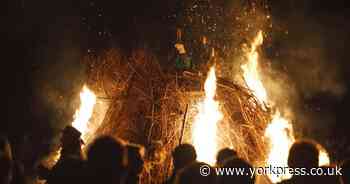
x: 183, y: 124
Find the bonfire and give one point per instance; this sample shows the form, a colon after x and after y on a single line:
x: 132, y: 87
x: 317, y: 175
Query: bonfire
x: 161, y: 110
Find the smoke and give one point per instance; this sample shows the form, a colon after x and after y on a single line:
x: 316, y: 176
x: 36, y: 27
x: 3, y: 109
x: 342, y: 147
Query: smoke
x: 305, y: 70
x: 307, y: 62
x: 305, y: 48
x: 300, y: 64
x: 58, y: 77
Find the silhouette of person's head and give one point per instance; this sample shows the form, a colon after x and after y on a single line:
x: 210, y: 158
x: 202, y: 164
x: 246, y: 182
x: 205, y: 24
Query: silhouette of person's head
x: 69, y: 135
x: 193, y: 174
x: 239, y: 164
x: 106, y: 157
x: 183, y: 155
x: 5, y: 161
x: 304, y: 153
x: 225, y: 154
x: 345, y: 178
x: 135, y: 158
x: 71, y: 141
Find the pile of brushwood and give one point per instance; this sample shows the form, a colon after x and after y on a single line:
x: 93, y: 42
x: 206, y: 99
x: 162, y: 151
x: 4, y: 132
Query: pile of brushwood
x: 156, y: 109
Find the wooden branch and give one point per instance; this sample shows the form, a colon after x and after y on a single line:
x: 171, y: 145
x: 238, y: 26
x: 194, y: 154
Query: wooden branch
x: 183, y: 124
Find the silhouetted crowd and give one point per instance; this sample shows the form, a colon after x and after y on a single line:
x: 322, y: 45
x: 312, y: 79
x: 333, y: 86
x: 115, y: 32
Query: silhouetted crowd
x: 111, y: 161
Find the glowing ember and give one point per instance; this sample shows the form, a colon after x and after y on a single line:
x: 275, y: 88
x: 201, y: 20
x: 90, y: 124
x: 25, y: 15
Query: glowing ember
x: 83, y: 114
x: 205, y: 126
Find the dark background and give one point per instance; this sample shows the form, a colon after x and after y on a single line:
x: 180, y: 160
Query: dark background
x: 42, y: 40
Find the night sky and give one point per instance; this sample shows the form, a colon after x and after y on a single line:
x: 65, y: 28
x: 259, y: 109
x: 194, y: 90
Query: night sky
x: 42, y: 39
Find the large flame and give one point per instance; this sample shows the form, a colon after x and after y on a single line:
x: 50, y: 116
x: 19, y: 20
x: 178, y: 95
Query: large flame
x: 204, y: 135
x: 80, y: 122
x: 281, y: 137
x: 84, y: 113
x: 250, y: 70
x: 280, y: 131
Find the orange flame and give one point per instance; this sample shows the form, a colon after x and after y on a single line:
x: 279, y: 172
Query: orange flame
x: 250, y: 70
x: 323, y: 158
x: 204, y: 135
x: 84, y: 113
x: 81, y: 119
x: 280, y: 134
x: 280, y: 131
